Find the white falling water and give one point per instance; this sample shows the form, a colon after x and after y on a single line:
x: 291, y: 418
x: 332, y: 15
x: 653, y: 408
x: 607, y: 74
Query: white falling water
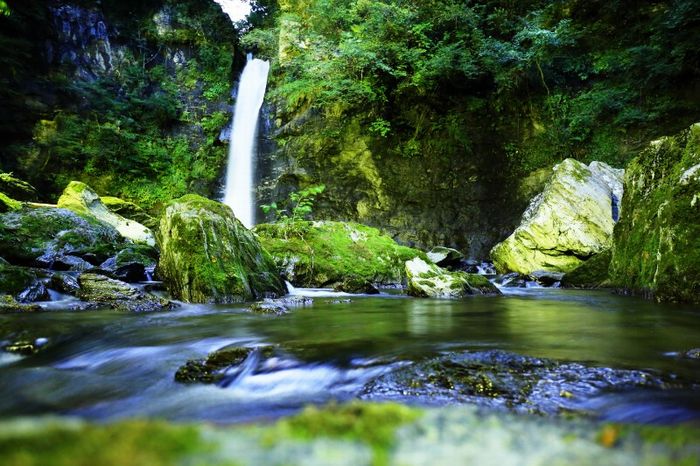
x: 238, y: 193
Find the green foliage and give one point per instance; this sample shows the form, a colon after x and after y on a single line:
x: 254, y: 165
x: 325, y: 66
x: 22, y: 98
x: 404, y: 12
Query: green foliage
x: 299, y: 207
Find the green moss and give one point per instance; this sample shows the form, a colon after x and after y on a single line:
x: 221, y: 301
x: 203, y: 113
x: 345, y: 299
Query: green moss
x: 374, y: 424
x: 7, y: 204
x: 323, y: 253
x: 207, y: 255
x: 14, y: 280
x: 210, y: 370
x: 655, y: 245
x: 143, y: 443
x: 591, y: 274
x: 16, y: 189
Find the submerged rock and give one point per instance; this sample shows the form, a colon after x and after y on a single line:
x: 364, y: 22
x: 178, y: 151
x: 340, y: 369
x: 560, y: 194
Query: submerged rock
x: 570, y: 221
x: 505, y: 380
x: 656, y: 248
x: 429, y: 280
x: 318, y: 254
x: 47, y: 234
x: 79, y: 198
x: 118, y: 295
x: 207, y: 255
x: 445, y: 257
x: 214, y: 368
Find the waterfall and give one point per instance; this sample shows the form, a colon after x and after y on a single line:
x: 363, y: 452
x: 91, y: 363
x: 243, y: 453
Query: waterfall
x: 238, y: 191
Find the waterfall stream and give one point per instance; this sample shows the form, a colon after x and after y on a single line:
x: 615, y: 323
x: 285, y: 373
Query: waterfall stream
x: 238, y: 192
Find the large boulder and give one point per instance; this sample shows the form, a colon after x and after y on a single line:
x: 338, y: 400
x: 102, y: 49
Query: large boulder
x: 314, y: 254
x: 570, y: 221
x: 207, y: 255
x: 656, y: 249
x: 430, y: 281
x: 79, y: 198
x: 45, y: 235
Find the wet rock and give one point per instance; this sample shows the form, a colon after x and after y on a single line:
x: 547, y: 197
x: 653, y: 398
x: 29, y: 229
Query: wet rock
x: 320, y: 254
x: 355, y: 286
x: 63, y: 262
x: 16, y: 189
x: 207, y: 255
x: 512, y: 280
x: 64, y: 283
x: 545, y: 278
x: 571, y: 220
x: 429, y: 280
x: 43, y: 232
x: 692, y: 354
x: 269, y: 307
x: 656, y: 249
x: 14, y: 280
x: 130, y: 264
x: 119, y: 295
x: 213, y: 369
x: 8, y: 305
x: 593, y: 273
x: 505, y: 380
x: 36, y: 292
x: 445, y: 257
x: 79, y: 198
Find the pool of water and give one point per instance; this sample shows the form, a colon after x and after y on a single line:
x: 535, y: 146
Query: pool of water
x: 595, y: 346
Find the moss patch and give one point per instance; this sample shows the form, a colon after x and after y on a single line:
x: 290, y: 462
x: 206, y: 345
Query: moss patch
x: 323, y: 253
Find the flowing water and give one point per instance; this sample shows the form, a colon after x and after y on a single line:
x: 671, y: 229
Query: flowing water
x: 238, y: 191
x: 607, y: 356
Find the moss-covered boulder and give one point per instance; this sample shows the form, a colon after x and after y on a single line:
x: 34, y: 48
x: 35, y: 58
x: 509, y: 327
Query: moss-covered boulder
x: 8, y: 305
x: 430, y: 281
x: 570, y: 221
x: 118, y: 295
x: 656, y: 249
x: 50, y: 233
x: 207, y: 255
x: 323, y: 253
x: 591, y: 274
x: 16, y: 189
x: 130, y: 211
x: 79, y: 198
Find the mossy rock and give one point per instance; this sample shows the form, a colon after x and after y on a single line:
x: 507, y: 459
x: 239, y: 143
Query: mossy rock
x: 8, y: 204
x: 213, y: 368
x: 570, y: 221
x: 31, y: 233
x: 8, y: 305
x: 14, y: 280
x: 130, y: 211
x: 15, y: 188
x: 594, y: 273
x: 118, y: 295
x: 430, y: 281
x: 356, y: 286
x: 656, y: 249
x: 207, y: 255
x: 79, y: 198
x: 315, y: 254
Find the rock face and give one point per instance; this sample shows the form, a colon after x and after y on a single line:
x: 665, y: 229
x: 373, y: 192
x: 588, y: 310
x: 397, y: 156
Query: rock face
x: 656, y: 249
x: 45, y: 235
x: 79, y: 198
x: 430, y: 281
x: 314, y: 254
x: 570, y: 221
x: 207, y: 255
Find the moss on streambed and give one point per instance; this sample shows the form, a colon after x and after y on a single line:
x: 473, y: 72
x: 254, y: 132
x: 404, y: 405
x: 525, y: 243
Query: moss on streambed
x: 355, y: 433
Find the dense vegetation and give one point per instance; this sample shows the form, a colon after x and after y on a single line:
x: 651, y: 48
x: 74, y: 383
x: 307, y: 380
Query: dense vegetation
x: 145, y: 125
x: 555, y: 78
